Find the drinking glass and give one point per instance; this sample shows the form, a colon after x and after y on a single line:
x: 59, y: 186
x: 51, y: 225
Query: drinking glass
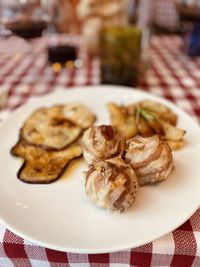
x: 120, y: 55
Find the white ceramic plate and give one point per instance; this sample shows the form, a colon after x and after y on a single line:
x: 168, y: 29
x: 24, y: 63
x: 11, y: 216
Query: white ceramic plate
x: 59, y: 215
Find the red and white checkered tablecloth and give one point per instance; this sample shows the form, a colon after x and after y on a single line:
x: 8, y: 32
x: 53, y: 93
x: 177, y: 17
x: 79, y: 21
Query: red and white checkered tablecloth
x: 165, y: 14
x: 172, y: 75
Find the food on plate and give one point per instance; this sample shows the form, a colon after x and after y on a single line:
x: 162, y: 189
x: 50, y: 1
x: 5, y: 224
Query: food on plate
x: 47, y: 127
x: 79, y: 114
x: 111, y: 184
x: 162, y: 126
x: 147, y: 118
x: 121, y: 118
x: 150, y: 157
x: 49, y: 140
x: 56, y: 127
x: 43, y: 166
x: 102, y: 142
x: 132, y: 151
x: 175, y: 145
x: 164, y: 112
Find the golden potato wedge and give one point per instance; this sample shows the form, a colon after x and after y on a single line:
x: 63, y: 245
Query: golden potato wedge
x: 144, y: 128
x: 151, y: 119
x: 147, y: 118
x: 123, y: 120
x: 129, y: 128
x: 117, y: 114
x: 171, y: 132
x: 175, y: 145
x: 161, y: 110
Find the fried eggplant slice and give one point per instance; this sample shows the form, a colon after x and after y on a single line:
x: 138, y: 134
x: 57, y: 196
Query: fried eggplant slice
x: 26, y: 151
x: 41, y: 166
x: 49, y: 128
x: 79, y: 114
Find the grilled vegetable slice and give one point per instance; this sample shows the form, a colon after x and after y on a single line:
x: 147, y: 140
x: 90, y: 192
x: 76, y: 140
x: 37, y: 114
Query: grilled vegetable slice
x: 49, y: 128
x: 41, y: 166
x: 79, y: 114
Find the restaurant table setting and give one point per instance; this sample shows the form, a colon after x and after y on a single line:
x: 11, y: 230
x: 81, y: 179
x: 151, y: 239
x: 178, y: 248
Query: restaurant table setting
x: 26, y: 75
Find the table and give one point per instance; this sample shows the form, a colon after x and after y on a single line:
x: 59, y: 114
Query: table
x: 172, y: 75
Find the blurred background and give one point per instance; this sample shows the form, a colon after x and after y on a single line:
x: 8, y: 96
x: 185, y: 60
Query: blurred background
x: 164, y: 15
x: 123, y: 49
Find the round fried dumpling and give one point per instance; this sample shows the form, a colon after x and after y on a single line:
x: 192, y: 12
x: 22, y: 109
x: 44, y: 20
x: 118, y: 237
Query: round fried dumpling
x: 102, y: 142
x: 150, y: 157
x: 111, y: 184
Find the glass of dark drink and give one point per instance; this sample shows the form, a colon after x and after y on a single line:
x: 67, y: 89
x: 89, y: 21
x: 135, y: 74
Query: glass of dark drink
x: 61, y: 53
x: 24, y: 18
x: 26, y: 29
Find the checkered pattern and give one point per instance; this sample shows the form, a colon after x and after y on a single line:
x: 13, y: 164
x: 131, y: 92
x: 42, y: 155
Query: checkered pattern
x: 165, y: 14
x: 173, y: 76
